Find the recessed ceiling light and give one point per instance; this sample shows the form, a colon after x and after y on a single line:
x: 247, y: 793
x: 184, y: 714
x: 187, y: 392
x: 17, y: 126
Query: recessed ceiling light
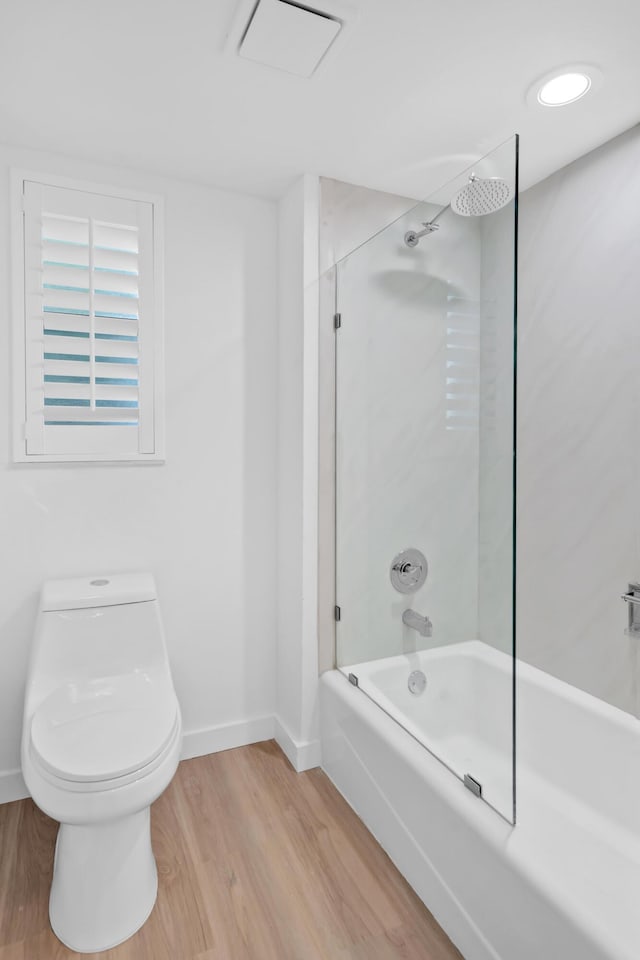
x: 564, y: 85
x: 567, y: 88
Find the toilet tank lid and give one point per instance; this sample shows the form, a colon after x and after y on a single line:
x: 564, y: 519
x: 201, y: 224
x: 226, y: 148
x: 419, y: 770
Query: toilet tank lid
x: 101, y: 590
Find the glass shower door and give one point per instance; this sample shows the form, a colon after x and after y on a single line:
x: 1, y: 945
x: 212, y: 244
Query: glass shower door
x: 425, y: 371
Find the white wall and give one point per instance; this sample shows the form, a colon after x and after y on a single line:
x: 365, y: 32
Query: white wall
x: 351, y: 215
x: 205, y: 522
x: 579, y: 420
x: 297, y: 670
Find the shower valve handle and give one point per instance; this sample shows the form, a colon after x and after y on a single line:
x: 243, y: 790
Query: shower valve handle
x: 408, y: 570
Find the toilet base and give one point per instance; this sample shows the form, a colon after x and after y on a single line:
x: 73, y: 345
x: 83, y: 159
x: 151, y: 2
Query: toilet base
x: 105, y: 882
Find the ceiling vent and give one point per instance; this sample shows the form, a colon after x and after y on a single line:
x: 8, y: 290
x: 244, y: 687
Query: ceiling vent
x: 289, y: 36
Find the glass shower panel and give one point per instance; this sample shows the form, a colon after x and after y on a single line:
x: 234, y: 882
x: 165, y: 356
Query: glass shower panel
x: 425, y: 472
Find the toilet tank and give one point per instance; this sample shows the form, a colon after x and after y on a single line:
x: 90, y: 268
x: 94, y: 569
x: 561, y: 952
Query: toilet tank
x: 96, y: 627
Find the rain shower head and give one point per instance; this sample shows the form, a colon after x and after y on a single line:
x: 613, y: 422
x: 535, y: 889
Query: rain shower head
x: 477, y: 198
x: 481, y: 196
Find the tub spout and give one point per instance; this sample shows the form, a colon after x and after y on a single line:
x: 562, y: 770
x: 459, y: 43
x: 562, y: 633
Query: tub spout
x: 422, y: 624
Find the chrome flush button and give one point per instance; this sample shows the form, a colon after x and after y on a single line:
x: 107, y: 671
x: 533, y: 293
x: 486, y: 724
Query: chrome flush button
x: 98, y: 583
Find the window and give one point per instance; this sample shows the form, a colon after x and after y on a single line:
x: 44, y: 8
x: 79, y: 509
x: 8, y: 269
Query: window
x: 88, y: 316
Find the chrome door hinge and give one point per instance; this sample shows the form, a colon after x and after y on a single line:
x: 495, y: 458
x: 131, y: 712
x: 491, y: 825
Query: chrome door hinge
x: 353, y: 679
x: 337, y: 321
x: 472, y: 784
x: 337, y: 613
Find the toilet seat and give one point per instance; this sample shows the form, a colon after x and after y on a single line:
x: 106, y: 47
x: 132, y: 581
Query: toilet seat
x: 98, y: 730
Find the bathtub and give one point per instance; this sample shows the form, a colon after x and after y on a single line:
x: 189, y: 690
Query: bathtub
x: 564, y: 882
x: 464, y: 716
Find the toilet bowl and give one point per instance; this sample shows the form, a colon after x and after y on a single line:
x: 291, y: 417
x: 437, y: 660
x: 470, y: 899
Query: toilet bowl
x: 101, y: 740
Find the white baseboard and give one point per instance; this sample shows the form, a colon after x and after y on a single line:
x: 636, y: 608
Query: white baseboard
x: 226, y: 736
x: 12, y: 786
x: 198, y: 743
x: 301, y: 756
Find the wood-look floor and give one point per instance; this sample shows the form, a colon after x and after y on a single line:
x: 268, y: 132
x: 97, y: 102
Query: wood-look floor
x: 255, y: 862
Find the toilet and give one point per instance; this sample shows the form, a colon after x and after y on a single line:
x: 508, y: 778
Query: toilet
x: 101, y: 741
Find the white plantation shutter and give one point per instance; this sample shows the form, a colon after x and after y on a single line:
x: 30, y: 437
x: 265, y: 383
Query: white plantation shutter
x: 91, y: 325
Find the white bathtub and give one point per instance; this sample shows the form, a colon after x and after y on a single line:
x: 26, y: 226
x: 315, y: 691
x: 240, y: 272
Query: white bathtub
x: 564, y: 883
x: 464, y: 716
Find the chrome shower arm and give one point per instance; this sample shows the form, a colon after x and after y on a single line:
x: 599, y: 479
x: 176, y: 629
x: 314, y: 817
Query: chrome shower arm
x: 412, y: 237
x: 432, y: 223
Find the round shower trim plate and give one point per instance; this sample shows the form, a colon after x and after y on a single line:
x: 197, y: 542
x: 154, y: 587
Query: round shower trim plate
x: 408, y: 571
x: 588, y: 70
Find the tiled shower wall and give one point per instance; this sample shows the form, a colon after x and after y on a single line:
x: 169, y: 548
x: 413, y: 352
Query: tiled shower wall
x: 579, y: 420
x: 409, y: 462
